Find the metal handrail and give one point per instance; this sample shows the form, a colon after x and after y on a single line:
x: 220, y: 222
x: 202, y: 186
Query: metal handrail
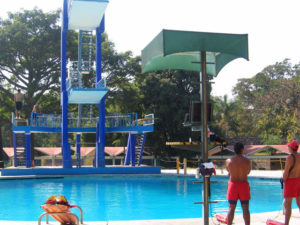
x: 101, y: 83
x: 90, y: 121
x: 13, y: 118
x: 57, y: 213
x: 81, y: 213
x: 148, y: 119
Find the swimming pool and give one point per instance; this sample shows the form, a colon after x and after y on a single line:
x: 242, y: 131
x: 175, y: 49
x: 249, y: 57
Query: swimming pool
x: 107, y: 198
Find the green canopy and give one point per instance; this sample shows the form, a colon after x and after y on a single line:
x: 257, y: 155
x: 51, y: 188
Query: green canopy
x: 172, y: 49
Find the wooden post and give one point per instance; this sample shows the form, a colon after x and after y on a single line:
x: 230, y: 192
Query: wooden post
x: 185, y: 166
x: 177, y: 165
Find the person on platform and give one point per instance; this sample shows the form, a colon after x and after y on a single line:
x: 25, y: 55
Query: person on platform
x: 291, y: 179
x: 238, y: 188
x: 19, y: 100
x: 35, y: 110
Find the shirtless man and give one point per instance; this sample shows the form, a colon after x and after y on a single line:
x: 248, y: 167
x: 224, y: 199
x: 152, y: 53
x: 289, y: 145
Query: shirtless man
x: 18, y: 99
x: 238, y: 168
x: 35, y: 110
x: 291, y: 179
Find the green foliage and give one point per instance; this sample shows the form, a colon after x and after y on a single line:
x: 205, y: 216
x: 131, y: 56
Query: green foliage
x: 168, y: 96
x: 272, y: 140
x: 272, y: 97
x: 30, y: 61
x: 266, y: 105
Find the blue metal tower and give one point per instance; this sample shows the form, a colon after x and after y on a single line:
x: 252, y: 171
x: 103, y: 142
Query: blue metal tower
x: 87, y: 17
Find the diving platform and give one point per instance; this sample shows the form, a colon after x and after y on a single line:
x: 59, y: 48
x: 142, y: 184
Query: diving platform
x: 114, y: 123
x: 86, y: 14
x: 86, y: 96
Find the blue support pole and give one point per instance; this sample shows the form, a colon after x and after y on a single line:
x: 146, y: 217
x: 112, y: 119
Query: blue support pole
x: 127, y: 157
x: 78, y: 146
x: 66, y: 151
x: 28, y: 149
x: 132, y: 146
x: 100, y: 133
x: 15, y: 149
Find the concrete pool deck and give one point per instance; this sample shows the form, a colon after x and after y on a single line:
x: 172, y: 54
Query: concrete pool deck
x: 256, y: 219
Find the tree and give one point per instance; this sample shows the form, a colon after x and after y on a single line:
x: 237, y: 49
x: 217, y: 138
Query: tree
x: 273, y: 97
x: 168, y: 96
x: 30, y: 60
x: 226, y: 115
x: 30, y: 54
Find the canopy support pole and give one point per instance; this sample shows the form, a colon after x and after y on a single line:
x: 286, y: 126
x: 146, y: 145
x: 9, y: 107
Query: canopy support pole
x: 204, y: 136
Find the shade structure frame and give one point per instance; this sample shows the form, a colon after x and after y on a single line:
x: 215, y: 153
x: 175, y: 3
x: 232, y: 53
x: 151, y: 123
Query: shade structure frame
x: 173, y: 49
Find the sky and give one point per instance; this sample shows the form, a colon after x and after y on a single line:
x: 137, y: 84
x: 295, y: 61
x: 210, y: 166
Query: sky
x: 272, y: 27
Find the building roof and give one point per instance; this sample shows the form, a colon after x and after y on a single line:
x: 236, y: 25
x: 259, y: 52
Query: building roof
x: 84, y: 150
x: 53, y: 151
x: 112, y: 151
x: 252, y: 149
x: 9, y: 151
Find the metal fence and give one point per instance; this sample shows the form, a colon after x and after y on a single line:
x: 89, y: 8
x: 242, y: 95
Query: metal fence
x: 89, y: 121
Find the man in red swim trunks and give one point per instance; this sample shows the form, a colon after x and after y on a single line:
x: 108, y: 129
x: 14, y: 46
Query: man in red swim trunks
x: 291, y: 179
x: 238, y: 168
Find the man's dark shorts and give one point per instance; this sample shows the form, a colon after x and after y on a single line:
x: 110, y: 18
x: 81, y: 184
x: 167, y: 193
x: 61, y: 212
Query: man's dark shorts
x: 18, y: 105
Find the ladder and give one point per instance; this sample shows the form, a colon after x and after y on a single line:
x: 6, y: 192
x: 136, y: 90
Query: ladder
x: 85, y: 51
x: 74, y: 76
x: 19, y: 149
x: 139, y: 148
x: 85, y: 42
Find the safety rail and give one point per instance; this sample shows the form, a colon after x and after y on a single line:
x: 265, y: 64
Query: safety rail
x: 121, y: 120
x: 83, y: 122
x: 89, y: 121
x: 72, y: 82
x: 18, y: 122
x: 57, y: 213
x: 148, y: 120
x: 74, y: 79
x: 101, y: 83
x: 13, y: 118
x: 45, y: 120
x: 84, y: 65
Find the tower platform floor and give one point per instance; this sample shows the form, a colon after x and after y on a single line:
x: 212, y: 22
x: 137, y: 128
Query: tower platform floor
x: 22, y: 171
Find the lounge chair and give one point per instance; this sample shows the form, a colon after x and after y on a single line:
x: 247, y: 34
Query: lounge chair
x: 59, y: 209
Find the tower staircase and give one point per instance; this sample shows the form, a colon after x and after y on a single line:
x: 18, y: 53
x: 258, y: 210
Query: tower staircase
x: 135, y: 149
x: 139, y: 148
x: 19, y: 149
x: 77, y: 93
x: 74, y: 77
x: 85, y: 51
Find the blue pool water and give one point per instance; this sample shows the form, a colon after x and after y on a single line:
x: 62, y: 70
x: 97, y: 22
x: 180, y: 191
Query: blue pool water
x: 106, y: 198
